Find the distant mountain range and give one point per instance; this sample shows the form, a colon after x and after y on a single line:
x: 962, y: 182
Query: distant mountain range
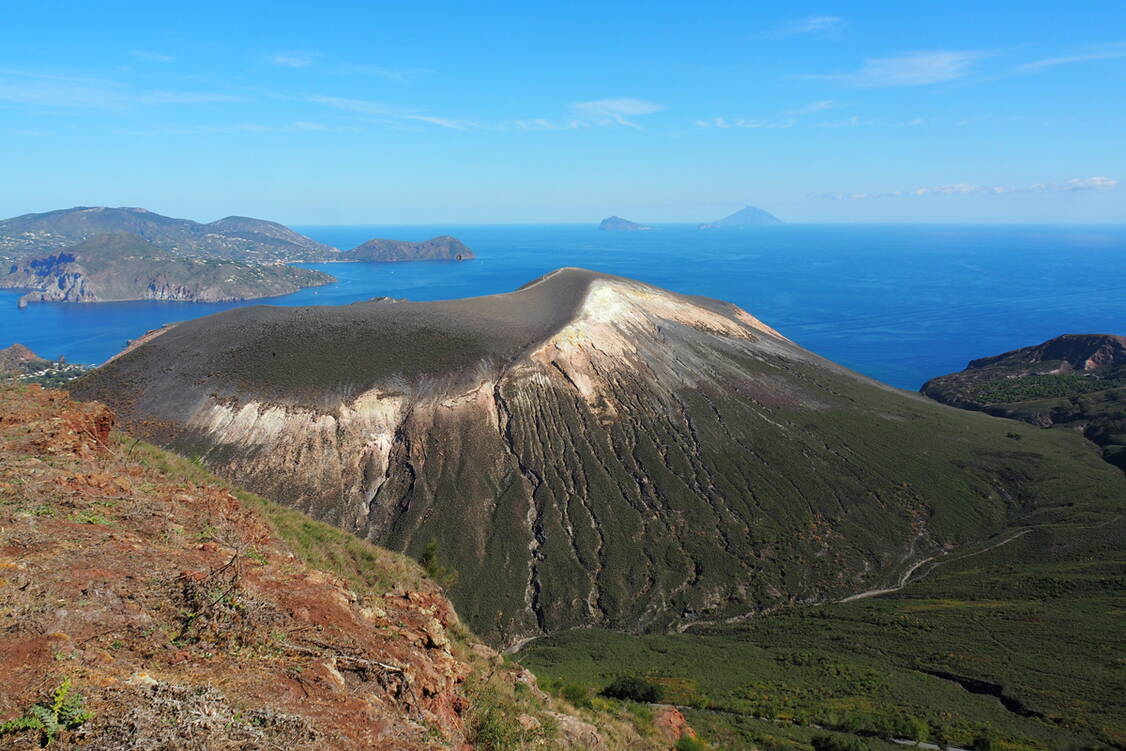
x: 236, y: 238
x: 748, y: 216
x: 617, y: 224
x: 124, y: 266
x: 444, y: 248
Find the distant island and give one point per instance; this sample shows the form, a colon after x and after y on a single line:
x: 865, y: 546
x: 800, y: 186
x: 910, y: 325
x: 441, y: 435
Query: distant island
x: 380, y: 250
x: 617, y: 224
x: 235, y: 238
x: 123, y: 266
x: 748, y: 216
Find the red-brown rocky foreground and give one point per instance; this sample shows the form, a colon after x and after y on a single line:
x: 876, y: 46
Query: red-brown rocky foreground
x: 171, y: 611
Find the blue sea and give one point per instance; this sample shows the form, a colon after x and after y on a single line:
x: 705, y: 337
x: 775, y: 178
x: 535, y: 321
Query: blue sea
x: 900, y: 303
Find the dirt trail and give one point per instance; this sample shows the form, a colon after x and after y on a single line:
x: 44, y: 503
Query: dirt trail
x: 905, y: 578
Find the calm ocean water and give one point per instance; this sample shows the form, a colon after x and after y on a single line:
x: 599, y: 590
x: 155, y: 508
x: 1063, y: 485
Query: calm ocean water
x: 900, y: 303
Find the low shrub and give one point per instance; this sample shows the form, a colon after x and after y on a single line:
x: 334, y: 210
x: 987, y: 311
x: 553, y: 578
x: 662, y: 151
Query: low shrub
x: 688, y: 743
x: 63, y: 711
x: 631, y: 688
x: 576, y: 694
x: 838, y: 743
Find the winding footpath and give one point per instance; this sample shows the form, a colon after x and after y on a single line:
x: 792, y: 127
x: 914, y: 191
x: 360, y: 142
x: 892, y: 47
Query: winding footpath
x: 905, y: 578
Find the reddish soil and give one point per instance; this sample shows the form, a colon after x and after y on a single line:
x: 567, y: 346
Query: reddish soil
x: 181, y: 618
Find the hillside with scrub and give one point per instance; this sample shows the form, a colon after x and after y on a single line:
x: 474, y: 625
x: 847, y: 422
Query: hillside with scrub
x: 146, y: 604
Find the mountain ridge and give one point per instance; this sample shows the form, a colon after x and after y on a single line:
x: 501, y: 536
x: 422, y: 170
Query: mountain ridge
x: 123, y: 266
x: 541, y: 434
x: 232, y: 238
x: 747, y: 216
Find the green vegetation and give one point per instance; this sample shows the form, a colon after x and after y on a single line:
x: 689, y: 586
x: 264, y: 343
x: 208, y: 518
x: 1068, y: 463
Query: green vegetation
x: 688, y: 743
x: 1025, y: 388
x: 63, y: 711
x: 493, y: 726
x: 236, y: 237
x: 432, y: 565
x: 124, y: 266
x: 1014, y: 647
x: 18, y: 364
x: 55, y: 374
x: 576, y: 694
x: 1033, y: 385
x: 838, y: 743
x: 632, y: 688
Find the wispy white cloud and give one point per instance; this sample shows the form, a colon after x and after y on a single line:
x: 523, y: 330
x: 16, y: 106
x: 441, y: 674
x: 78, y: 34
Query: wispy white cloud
x: 293, y: 59
x: 848, y: 122
x: 869, y: 122
x: 809, y: 109
x: 816, y: 25
x: 151, y: 57
x: 444, y: 122
x: 182, y: 97
x: 1110, y: 53
x: 48, y: 90
x: 395, y: 75
x: 615, y: 111
x: 724, y: 123
x: 69, y: 92
x: 544, y: 124
x: 1082, y: 183
x: 968, y: 189
x: 391, y: 112
x: 915, y: 69
x: 854, y: 121
x: 361, y: 106
x: 244, y: 127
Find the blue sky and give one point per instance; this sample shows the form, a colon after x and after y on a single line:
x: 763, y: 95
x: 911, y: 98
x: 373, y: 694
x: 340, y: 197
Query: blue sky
x: 366, y: 113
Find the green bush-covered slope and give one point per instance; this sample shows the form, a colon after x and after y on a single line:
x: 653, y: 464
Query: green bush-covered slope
x: 1018, y: 641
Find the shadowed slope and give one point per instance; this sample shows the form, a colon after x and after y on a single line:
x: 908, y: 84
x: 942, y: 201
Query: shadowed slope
x: 592, y: 450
